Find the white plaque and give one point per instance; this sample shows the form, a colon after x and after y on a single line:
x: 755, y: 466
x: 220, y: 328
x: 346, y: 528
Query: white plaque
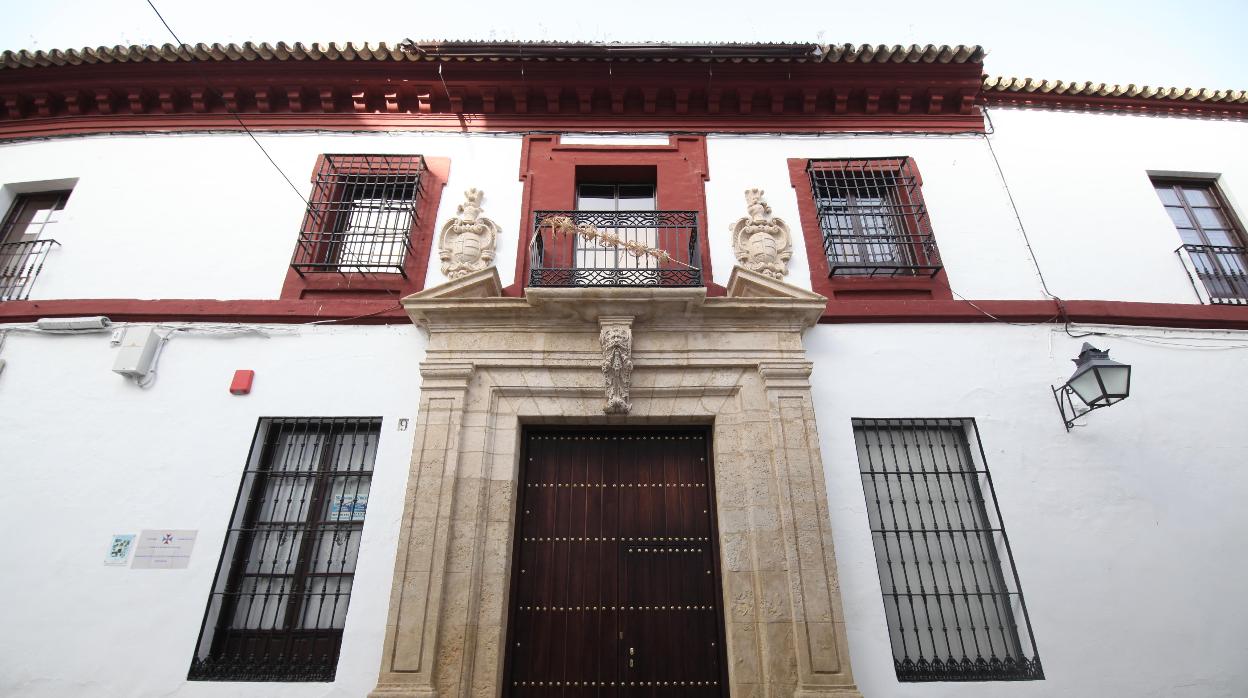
x: 163, y: 549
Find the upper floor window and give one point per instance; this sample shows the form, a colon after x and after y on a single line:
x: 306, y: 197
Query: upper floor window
x: 952, y: 598
x: 361, y: 214
x: 1213, y: 241
x: 279, y: 601
x: 25, y: 239
x: 872, y: 217
x: 622, y: 238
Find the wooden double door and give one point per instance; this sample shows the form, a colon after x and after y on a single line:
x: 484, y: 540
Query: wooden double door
x: 615, y: 585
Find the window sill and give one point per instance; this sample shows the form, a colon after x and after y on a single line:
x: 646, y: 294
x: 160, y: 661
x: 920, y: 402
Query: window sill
x: 353, y: 285
x: 848, y: 287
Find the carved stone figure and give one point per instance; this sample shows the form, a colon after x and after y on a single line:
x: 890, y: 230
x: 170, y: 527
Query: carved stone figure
x: 762, y: 243
x: 467, y: 241
x: 617, y: 366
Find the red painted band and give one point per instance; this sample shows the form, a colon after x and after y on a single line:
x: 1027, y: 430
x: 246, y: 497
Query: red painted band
x: 354, y: 311
x: 377, y: 312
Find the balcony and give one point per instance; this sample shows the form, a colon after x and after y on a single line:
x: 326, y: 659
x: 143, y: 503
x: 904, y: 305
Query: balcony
x: 882, y: 255
x: 20, y: 263
x: 1218, y: 273
x: 615, y: 248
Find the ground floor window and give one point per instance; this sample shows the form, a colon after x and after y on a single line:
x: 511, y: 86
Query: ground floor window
x: 952, y: 597
x: 280, y: 597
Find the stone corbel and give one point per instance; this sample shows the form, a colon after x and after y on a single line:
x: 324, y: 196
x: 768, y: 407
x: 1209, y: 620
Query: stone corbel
x: 616, y: 336
x: 466, y: 244
x: 761, y: 242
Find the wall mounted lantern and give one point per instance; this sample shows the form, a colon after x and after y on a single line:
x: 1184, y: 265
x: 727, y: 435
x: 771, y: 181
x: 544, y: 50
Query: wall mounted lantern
x: 1098, y: 381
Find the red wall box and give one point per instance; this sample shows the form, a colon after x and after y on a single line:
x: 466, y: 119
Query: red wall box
x: 241, y: 385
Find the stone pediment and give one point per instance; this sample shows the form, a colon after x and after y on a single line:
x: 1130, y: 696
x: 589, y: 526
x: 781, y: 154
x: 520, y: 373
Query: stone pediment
x: 753, y: 302
x: 744, y: 283
x: 478, y: 284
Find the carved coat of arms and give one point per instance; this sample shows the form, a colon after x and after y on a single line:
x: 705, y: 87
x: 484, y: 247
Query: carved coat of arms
x: 762, y: 243
x: 467, y: 240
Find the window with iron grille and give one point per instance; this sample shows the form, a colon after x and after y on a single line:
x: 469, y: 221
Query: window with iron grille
x: 1213, y: 240
x: 952, y: 597
x: 279, y: 601
x: 361, y: 214
x: 25, y: 240
x: 872, y: 217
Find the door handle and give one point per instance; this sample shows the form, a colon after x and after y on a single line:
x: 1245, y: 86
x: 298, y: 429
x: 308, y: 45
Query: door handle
x: 632, y: 651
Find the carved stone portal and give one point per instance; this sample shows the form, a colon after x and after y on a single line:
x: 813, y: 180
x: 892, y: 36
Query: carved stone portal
x: 616, y: 336
x: 467, y: 241
x: 762, y: 243
x: 496, y: 364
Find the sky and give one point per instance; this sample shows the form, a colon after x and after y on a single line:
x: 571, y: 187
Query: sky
x: 1145, y: 42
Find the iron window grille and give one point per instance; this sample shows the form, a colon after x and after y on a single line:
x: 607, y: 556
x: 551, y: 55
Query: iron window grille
x: 566, y: 259
x: 25, y: 241
x: 872, y: 217
x: 1213, y: 249
x: 283, y: 584
x: 361, y: 214
x: 952, y: 597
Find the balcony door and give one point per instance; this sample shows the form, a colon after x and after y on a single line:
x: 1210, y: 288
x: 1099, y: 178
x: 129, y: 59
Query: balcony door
x: 627, y: 213
x: 1210, y: 234
x: 25, y: 238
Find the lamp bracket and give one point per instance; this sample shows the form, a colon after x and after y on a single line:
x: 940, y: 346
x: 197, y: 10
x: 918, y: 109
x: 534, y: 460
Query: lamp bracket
x: 1067, y: 407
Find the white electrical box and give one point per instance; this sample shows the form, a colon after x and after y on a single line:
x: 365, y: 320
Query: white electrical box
x: 136, y: 351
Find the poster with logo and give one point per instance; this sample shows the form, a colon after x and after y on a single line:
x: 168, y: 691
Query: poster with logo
x: 348, y: 507
x: 163, y: 550
x: 119, y: 550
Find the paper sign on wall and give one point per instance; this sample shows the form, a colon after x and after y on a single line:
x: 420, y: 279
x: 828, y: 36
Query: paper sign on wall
x: 348, y: 507
x: 163, y: 549
x: 119, y: 549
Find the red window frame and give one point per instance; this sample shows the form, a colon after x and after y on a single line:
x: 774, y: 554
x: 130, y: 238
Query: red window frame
x: 354, y: 284
x: 548, y: 170
x: 934, y: 287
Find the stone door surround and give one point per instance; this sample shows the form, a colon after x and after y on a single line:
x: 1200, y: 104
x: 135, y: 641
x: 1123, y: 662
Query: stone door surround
x: 495, y: 363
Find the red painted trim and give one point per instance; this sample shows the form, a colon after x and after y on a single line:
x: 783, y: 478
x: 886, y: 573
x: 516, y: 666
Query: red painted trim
x: 850, y: 288
x: 369, y: 312
x: 1226, y: 317
x: 475, y: 123
x: 743, y: 96
x: 1132, y: 105
x: 548, y: 170
x: 331, y: 285
x: 356, y: 311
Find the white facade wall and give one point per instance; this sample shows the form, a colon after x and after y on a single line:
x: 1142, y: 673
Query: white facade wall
x: 1124, y: 531
x: 87, y: 454
x: 1081, y: 184
x: 205, y: 216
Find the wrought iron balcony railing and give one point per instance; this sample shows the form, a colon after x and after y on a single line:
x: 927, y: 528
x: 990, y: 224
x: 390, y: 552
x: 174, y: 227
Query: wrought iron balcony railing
x: 630, y: 248
x: 881, y: 255
x: 1219, y: 273
x: 20, y: 263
